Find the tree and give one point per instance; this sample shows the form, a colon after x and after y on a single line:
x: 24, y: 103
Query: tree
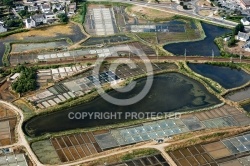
x: 26, y: 81
x: 8, y: 2
x: 63, y: 17
x: 24, y: 13
x: 13, y: 23
x: 237, y: 28
x: 231, y: 42
x: 185, y: 7
x: 55, y: 10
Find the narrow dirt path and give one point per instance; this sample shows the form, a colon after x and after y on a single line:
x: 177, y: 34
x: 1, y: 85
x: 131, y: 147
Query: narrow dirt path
x: 20, y: 135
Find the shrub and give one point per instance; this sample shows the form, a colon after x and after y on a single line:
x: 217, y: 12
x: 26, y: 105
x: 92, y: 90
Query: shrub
x: 63, y: 17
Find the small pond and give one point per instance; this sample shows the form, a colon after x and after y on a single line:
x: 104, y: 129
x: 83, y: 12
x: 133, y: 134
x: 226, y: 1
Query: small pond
x: 202, y: 47
x: 170, y: 92
x: 225, y: 76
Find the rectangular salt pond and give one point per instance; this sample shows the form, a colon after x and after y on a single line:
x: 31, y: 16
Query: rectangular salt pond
x: 238, y: 144
x: 149, y: 131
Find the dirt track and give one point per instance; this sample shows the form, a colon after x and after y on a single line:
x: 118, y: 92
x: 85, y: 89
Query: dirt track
x: 161, y: 147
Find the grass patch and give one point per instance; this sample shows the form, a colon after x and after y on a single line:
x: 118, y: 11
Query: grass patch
x: 214, y: 135
x: 81, y: 13
x: 220, y: 43
x: 69, y: 41
x: 23, y: 106
x: 45, y: 152
x: 225, y: 64
x: 5, y: 58
x: 234, y: 18
x: 5, y: 34
x: 117, y: 158
x: 149, y: 37
x: 246, y: 67
x: 139, y: 153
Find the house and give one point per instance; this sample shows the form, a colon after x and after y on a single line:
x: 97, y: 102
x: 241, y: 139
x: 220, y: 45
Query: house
x: 245, y: 21
x: 57, y: 6
x: 227, y: 38
x: 35, y: 20
x: 72, y: 8
x: 32, y: 8
x: 2, y: 28
x: 45, y: 8
x: 242, y: 36
x: 50, y: 16
x: 39, y: 19
x: 15, y: 76
x: 30, y: 23
x: 19, y: 8
x: 246, y: 47
x: 185, y: 0
x: 245, y: 4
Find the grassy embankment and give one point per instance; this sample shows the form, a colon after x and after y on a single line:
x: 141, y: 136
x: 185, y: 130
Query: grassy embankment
x: 5, y: 34
x: 5, y: 58
x: 225, y: 64
x: 121, y: 157
x: 245, y: 67
x: 79, y: 17
x: 212, y: 86
x: 220, y: 43
x: 234, y: 18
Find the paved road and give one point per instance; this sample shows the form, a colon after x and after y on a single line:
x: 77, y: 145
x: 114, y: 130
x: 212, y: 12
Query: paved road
x: 173, y: 9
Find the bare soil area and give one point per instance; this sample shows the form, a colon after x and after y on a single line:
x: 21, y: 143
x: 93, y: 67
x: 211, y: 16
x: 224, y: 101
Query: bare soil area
x: 150, y: 14
x: 237, y: 49
x: 205, y: 12
x: 5, y: 94
x: 69, y: 30
x: 46, y: 32
x: 204, y: 3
